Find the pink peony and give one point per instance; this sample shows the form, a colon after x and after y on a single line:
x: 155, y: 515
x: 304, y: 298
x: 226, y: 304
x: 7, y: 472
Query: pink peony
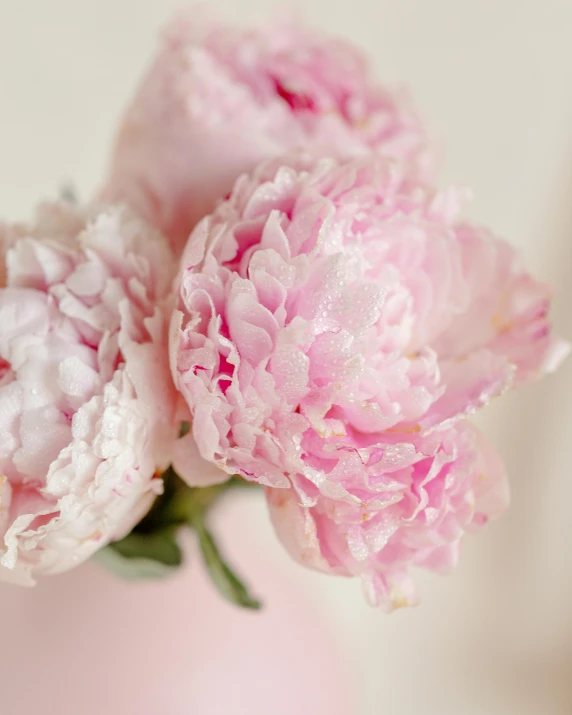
x: 86, y: 402
x: 217, y: 100
x: 334, y: 326
x: 406, y: 511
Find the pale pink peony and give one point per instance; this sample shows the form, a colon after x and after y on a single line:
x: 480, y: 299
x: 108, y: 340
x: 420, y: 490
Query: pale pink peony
x: 87, y: 406
x: 334, y: 326
x: 217, y: 100
x: 406, y: 512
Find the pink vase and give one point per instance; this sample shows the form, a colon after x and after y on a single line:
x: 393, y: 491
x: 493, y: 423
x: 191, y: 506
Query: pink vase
x: 88, y: 643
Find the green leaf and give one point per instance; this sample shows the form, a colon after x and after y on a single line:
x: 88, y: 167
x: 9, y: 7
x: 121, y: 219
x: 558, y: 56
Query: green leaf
x: 143, y: 555
x: 237, y: 482
x: 151, y: 549
x: 226, y: 581
x: 184, y: 429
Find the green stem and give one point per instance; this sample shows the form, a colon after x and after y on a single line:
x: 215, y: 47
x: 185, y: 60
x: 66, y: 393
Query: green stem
x: 154, y: 539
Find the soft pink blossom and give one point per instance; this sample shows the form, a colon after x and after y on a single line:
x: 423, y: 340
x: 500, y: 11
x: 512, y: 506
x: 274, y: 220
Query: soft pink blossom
x: 218, y: 99
x: 87, y: 407
x: 335, y: 325
x: 413, y: 514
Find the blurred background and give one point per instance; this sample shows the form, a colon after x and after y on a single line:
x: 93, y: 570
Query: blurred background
x: 493, y: 79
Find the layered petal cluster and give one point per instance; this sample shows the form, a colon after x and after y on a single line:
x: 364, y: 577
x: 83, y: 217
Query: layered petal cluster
x: 413, y: 512
x: 335, y: 324
x: 86, y: 402
x: 217, y: 100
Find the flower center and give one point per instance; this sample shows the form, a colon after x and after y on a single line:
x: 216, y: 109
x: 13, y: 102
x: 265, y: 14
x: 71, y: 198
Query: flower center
x: 5, y: 370
x: 297, y: 101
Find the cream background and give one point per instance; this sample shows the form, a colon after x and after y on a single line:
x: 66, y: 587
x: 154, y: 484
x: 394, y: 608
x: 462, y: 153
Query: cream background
x: 494, y: 80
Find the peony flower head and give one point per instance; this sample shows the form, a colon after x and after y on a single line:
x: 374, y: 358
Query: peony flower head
x: 87, y: 408
x: 413, y: 512
x: 217, y: 100
x: 335, y: 324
